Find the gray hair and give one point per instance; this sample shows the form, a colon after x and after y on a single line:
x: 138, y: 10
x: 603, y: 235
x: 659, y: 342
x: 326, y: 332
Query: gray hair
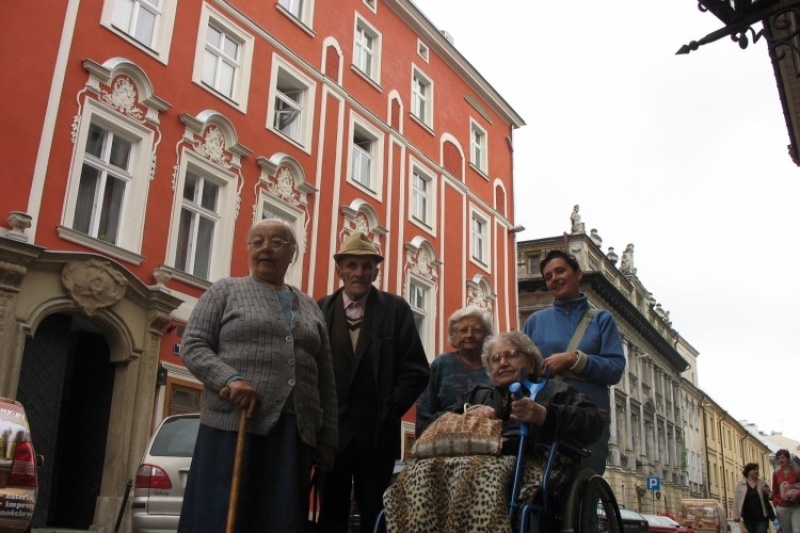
x: 470, y: 310
x: 285, y: 225
x: 521, y: 342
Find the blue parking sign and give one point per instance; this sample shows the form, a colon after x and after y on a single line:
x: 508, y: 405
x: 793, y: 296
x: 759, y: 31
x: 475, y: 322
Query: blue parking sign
x: 653, y: 483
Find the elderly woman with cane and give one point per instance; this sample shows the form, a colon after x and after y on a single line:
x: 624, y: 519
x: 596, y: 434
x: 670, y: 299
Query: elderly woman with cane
x: 266, y: 344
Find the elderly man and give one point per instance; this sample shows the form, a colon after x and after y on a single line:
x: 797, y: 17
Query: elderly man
x: 380, y: 368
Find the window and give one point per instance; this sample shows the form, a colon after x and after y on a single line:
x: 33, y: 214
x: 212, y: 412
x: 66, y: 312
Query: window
x: 366, y: 157
x: 198, y: 219
x: 299, y: 9
x: 203, y: 220
x: 423, y: 50
x: 422, y: 97
x: 147, y: 24
x: 422, y: 192
x: 417, y: 297
x: 110, y: 177
x: 479, y: 238
x: 362, y: 158
x: 292, y: 103
x: 478, y: 153
x: 420, y: 298
x: 104, y: 177
x: 223, y: 58
x: 288, y: 108
x: 137, y: 18
x: 478, y: 231
x: 295, y: 7
x: 419, y: 197
x: 367, y: 50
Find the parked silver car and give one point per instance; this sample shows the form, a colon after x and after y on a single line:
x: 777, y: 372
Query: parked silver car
x: 160, y: 481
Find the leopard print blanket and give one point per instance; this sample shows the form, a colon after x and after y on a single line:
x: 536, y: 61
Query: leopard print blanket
x: 460, y: 494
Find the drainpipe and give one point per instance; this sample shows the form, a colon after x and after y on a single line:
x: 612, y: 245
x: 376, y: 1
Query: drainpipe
x: 705, y: 445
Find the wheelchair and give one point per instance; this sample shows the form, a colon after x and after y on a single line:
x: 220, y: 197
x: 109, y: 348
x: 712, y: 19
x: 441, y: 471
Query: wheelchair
x: 583, y: 504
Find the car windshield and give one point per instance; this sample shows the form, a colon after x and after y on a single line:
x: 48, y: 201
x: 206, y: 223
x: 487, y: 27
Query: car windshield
x: 624, y: 513
x: 176, y: 437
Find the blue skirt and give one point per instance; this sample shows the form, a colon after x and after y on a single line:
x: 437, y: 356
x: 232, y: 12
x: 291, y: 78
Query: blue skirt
x: 273, y: 495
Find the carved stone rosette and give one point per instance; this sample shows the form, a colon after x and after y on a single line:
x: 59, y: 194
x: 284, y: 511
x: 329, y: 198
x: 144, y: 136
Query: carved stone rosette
x: 93, y: 284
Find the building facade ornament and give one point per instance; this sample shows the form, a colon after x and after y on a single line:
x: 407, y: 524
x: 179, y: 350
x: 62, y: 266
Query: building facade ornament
x: 626, y: 266
x: 479, y: 293
x: 612, y: 256
x: 93, y: 284
x: 212, y: 147
x: 123, y: 98
x: 19, y: 222
x: 283, y: 187
x: 596, y: 238
x: 11, y: 276
x: 575, y: 221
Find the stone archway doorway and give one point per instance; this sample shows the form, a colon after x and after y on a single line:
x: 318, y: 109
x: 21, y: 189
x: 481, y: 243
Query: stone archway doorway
x: 66, y: 383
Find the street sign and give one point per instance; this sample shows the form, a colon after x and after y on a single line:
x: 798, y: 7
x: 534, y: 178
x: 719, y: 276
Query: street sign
x: 653, y: 483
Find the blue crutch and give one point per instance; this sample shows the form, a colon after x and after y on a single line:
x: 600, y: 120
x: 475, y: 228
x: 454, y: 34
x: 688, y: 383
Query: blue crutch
x: 517, y: 393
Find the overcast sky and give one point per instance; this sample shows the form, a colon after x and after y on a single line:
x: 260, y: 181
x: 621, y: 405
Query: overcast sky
x: 684, y: 156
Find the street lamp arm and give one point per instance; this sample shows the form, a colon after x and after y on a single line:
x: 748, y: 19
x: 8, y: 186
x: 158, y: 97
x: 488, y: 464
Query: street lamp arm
x: 738, y: 28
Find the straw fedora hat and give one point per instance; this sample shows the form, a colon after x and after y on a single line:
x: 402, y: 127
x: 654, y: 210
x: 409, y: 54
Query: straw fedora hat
x: 358, y: 244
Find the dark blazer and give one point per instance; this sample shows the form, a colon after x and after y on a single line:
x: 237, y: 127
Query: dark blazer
x: 400, y: 367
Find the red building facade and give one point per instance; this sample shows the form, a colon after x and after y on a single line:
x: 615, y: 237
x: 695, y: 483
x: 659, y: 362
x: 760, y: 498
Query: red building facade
x: 143, y: 138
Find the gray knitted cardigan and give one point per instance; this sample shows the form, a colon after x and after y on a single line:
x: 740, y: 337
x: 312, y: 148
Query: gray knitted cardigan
x: 238, y: 328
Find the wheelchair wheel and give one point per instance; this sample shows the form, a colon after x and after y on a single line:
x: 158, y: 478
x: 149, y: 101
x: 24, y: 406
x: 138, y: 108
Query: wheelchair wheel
x: 590, y: 506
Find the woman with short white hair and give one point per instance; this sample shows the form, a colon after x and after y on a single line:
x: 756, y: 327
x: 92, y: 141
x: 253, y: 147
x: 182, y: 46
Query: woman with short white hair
x: 455, y: 373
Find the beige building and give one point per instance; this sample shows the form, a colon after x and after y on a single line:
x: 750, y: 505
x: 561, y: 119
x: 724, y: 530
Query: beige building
x: 729, y: 446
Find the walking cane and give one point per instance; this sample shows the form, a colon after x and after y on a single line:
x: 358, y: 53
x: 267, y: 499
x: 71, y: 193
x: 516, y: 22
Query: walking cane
x: 237, y: 464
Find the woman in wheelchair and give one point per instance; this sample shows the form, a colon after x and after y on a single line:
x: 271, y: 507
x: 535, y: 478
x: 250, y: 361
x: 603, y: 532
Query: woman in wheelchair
x: 466, y: 494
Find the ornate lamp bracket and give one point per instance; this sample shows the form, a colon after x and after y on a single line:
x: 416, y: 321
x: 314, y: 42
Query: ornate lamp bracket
x: 777, y: 15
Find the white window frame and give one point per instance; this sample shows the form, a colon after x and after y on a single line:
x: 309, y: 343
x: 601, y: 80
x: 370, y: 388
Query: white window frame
x: 427, y: 313
x: 367, y: 62
x: 294, y: 218
x: 246, y: 42
x: 480, y: 243
x: 131, y: 223
x: 428, y: 221
x: 301, y: 10
x: 478, y: 148
x: 421, y: 84
x: 284, y: 73
x: 372, y: 5
x: 222, y: 242
x: 162, y: 36
x: 423, y: 50
x: 361, y: 127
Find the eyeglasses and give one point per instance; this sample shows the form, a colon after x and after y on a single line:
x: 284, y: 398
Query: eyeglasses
x: 508, y: 355
x: 273, y: 244
x: 476, y: 330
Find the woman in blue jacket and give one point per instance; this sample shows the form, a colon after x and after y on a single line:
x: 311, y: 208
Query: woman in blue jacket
x: 598, y: 361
